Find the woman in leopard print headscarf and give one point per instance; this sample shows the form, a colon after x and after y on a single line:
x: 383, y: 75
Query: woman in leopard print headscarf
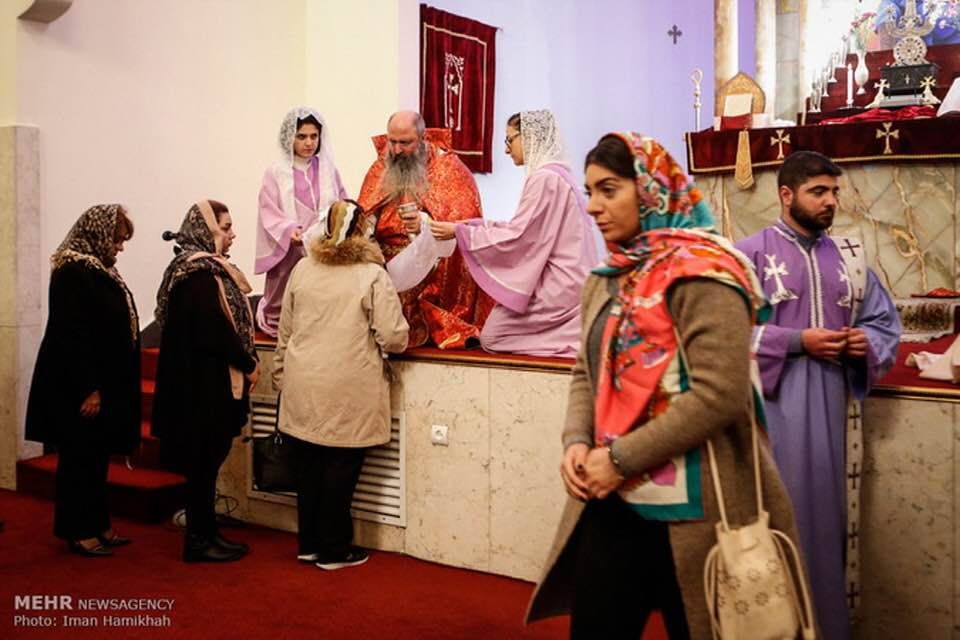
x: 85, y: 394
x: 206, y: 368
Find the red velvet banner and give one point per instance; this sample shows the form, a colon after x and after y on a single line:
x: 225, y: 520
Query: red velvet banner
x: 457, y: 73
x: 926, y: 140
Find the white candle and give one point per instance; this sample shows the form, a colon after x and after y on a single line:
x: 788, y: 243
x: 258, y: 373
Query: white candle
x: 849, y: 85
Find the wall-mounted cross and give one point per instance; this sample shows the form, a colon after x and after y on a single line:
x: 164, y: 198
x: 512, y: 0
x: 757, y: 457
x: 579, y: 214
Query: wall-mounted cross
x: 780, y: 140
x: 886, y: 134
x: 674, y: 33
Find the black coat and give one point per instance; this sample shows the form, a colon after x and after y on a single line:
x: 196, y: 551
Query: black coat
x: 194, y: 408
x: 86, y: 347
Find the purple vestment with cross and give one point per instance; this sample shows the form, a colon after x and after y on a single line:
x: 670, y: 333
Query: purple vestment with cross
x: 809, y: 285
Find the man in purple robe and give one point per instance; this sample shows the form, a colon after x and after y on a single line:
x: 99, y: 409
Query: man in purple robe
x: 833, y: 333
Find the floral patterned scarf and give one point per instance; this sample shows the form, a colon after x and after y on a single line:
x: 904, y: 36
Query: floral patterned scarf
x: 642, y: 368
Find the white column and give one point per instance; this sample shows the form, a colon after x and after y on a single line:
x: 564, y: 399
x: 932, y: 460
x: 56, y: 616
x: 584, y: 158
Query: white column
x: 804, y: 76
x: 726, y: 46
x: 20, y: 291
x: 766, y: 50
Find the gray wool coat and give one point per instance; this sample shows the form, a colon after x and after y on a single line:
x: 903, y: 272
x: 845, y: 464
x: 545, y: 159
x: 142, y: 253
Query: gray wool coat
x: 715, y: 330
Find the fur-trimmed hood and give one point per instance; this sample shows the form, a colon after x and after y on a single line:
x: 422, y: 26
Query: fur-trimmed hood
x: 350, y: 251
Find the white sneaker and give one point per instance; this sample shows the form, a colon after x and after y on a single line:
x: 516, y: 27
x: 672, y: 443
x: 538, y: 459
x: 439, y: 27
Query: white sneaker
x: 308, y: 557
x: 352, y: 558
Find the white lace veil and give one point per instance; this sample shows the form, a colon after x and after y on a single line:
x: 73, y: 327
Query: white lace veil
x: 327, y: 169
x: 541, y: 139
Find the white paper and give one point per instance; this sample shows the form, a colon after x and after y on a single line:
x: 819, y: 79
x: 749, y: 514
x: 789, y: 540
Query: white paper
x: 951, y: 102
x: 317, y: 228
x: 938, y: 366
x: 412, y: 265
x: 737, y: 104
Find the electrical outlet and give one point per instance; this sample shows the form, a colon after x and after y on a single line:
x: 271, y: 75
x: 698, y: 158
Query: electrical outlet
x: 438, y: 435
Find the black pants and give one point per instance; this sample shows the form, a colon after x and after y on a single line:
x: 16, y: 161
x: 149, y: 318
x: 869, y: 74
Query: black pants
x: 623, y: 571
x: 326, y: 478
x: 80, y: 509
x: 201, y: 468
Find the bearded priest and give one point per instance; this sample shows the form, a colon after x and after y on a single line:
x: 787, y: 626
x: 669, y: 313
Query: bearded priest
x: 417, y: 177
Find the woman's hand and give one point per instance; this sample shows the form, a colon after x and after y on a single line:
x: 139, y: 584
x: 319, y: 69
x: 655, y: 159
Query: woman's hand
x: 296, y: 238
x: 442, y: 230
x: 254, y: 375
x: 91, y: 406
x: 571, y: 470
x: 600, y: 476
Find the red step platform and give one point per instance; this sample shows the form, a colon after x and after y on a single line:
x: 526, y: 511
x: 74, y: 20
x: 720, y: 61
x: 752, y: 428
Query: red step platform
x: 141, y: 490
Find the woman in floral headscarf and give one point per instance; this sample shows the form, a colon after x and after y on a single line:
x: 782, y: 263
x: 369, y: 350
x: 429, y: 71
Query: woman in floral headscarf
x: 534, y: 264
x: 85, y: 394
x: 663, y: 367
x: 297, y: 190
x: 206, y: 368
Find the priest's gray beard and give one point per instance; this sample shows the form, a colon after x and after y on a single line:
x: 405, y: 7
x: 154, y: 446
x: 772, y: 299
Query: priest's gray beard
x: 406, y: 174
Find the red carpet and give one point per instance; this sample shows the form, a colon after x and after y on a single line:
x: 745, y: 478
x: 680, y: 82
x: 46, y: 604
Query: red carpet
x: 267, y: 594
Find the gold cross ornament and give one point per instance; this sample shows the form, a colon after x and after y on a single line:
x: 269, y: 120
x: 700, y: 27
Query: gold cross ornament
x: 886, y: 134
x: 780, y: 140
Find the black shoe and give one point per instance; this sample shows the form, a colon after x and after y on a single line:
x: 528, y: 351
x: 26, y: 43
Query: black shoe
x: 351, y: 558
x: 229, y: 545
x: 98, y: 551
x: 116, y: 541
x: 197, y: 549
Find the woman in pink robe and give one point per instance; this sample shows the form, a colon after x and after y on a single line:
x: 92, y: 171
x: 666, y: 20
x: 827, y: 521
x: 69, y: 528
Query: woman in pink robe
x: 294, y: 197
x: 535, y: 264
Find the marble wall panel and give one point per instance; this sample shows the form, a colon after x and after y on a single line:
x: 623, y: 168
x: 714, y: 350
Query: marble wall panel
x: 527, y: 412
x: 448, y: 488
x: 956, y: 229
x: 8, y: 227
x: 9, y: 339
x: 905, y: 215
x: 751, y: 209
x: 908, y: 519
x: 20, y: 291
x: 27, y: 224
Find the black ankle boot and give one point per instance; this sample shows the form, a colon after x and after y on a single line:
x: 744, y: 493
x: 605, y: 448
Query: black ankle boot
x: 229, y: 545
x: 202, y: 549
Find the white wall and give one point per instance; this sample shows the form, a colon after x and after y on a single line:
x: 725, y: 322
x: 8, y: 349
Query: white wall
x: 355, y: 77
x: 156, y: 105
x: 600, y: 66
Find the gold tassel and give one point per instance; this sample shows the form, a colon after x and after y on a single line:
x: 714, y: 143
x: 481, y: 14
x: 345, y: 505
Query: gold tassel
x: 744, y: 172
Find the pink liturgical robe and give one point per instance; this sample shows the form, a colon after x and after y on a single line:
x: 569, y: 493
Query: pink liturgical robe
x: 534, y: 266
x: 275, y: 254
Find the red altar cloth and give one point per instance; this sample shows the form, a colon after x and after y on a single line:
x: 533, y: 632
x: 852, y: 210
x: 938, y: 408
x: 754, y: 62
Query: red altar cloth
x: 901, y: 377
x: 924, y: 140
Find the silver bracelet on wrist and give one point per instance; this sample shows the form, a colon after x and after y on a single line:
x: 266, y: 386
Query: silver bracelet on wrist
x: 615, y: 462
